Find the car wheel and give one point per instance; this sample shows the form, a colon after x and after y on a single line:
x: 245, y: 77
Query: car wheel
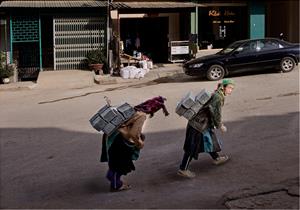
x: 287, y: 64
x: 215, y: 72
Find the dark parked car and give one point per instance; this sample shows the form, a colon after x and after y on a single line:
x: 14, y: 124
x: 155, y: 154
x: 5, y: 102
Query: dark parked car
x: 245, y: 55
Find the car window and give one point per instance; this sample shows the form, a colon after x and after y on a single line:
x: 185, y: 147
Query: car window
x: 259, y: 46
x: 246, y: 48
x: 271, y: 45
x: 230, y: 48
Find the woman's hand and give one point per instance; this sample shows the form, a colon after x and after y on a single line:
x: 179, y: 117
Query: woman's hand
x: 140, y: 144
x: 223, y: 128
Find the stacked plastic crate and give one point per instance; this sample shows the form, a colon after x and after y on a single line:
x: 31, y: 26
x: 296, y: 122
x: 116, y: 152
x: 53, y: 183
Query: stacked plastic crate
x: 190, y: 104
x: 108, y: 118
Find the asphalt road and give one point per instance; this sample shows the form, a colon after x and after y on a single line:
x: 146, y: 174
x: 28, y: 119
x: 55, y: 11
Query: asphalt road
x: 50, y: 153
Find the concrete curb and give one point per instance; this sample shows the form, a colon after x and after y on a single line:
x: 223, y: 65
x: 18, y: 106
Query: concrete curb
x: 82, y: 80
x: 18, y: 86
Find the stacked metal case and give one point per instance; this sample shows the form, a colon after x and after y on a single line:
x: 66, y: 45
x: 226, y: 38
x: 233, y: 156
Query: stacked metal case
x: 109, y: 118
x: 190, y: 105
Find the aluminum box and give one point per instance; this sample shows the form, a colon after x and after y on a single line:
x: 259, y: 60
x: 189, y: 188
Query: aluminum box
x: 180, y: 110
x: 188, y: 100
x: 203, y: 96
x: 109, y: 128
x: 126, y: 110
x: 97, y: 122
x: 109, y: 114
x: 118, y: 120
x: 189, y: 114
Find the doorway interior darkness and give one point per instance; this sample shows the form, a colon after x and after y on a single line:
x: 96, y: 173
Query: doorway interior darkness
x: 47, y: 42
x: 153, y: 34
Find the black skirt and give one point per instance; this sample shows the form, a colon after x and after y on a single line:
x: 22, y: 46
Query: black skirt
x: 194, y: 142
x: 120, y: 155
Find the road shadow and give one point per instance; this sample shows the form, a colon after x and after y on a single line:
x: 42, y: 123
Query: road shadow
x: 55, y: 168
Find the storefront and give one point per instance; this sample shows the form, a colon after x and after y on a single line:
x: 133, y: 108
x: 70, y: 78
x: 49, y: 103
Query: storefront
x: 51, y: 35
x: 148, y: 27
x: 221, y: 24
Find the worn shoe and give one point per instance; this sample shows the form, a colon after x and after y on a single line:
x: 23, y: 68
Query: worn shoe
x: 220, y: 160
x: 122, y: 188
x: 186, y: 173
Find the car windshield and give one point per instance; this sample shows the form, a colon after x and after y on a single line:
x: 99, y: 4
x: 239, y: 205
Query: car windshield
x: 230, y: 48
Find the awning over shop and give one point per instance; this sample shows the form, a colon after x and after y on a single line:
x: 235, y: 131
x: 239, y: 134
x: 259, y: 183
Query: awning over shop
x: 154, y: 5
x: 53, y: 4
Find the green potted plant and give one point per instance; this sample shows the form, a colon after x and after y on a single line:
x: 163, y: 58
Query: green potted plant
x: 96, y: 60
x: 5, y: 71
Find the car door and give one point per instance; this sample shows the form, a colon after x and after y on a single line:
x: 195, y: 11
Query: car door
x: 242, y: 58
x: 268, y: 53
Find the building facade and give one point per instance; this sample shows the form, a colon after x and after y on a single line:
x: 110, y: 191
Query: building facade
x: 56, y: 35
x: 222, y: 21
x: 52, y: 35
x: 282, y: 16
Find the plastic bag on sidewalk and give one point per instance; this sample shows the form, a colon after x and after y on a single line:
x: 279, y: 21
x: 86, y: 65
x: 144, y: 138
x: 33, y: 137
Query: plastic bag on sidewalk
x: 127, y: 73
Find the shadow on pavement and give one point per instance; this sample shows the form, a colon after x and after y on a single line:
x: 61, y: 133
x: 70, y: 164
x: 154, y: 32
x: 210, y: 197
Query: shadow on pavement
x: 56, y: 168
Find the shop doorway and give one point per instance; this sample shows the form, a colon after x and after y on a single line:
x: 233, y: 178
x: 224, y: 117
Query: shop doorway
x: 221, y: 26
x: 47, y: 42
x: 153, y: 35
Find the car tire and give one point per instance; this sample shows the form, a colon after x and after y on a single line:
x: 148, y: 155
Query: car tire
x: 287, y: 64
x: 215, y: 72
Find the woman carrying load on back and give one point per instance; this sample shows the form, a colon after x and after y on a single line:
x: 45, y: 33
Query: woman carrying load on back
x: 206, y: 140
x: 123, y: 146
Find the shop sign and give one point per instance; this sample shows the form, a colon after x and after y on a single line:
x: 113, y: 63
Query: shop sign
x: 229, y: 21
x: 217, y: 13
x: 179, y: 50
x: 214, y: 13
x: 229, y: 13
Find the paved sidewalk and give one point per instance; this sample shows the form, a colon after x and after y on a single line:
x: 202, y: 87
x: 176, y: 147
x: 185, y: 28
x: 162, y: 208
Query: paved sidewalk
x: 75, y: 79
x: 82, y: 78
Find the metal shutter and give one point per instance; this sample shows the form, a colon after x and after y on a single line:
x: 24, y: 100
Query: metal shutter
x: 74, y: 37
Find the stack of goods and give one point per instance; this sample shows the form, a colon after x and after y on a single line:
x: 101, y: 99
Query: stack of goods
x: 190, y: 105
x: 109, y: 118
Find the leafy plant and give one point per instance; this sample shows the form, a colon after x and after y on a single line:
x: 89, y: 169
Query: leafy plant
x: 5, y: 70
x: 96, y: 56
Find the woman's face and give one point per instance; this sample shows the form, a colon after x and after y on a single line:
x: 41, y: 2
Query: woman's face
x: 228, y: 89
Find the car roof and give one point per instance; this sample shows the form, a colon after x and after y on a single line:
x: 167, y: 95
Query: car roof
x: 267, y: 38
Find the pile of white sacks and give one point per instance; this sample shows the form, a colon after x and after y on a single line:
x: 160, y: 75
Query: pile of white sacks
x: 133, y: 72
